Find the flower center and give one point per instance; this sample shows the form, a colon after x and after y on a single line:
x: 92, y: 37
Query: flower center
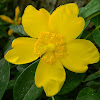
x: 51, y: 45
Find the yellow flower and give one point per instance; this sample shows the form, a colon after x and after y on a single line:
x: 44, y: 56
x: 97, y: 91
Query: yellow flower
x: 54, y: 41
x: 16, y: 21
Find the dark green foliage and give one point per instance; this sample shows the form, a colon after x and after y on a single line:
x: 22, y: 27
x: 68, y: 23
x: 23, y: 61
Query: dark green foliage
x: 17, y: 81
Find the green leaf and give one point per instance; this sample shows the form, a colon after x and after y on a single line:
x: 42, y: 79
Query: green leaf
x: 62, y: 98
x: 98, y: 92
x: 18, y: 29
x: 96, y: 37
x: 87, y: 94
x: 25, y: 88
x: 3, y: 22
x: 85, y: 33
x: 21, y: 68
x: 86, y: 24
x: 92, y: 7
x: 93, y: 76
x: 3, y: 31
x: 96, y: 20
x: 96, y: 33
x: 72, y: 81
x: 59, y: 97
x: 11, y: 84
x: 94, y: 84
x: 4, y: 76
x: 7, y: 47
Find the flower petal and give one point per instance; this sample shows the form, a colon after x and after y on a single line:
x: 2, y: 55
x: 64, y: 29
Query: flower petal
x: 22, y: 52
x: 65, y: 20
x: 17, y: 11
x: 50, y: 76
x: 35, y: 21
x: 10, y: 32
x: 6, y: 19
x: 80, y: 53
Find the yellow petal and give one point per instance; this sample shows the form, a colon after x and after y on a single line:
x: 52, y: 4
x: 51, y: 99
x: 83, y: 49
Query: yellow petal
x: 6, y: 19
x: 22, y: 52
x: 17, y: 11
x: 35, y: 21
x: 65, y: 20
x: 50, y: 76
x: 10, y: 32
x: 80, y: 53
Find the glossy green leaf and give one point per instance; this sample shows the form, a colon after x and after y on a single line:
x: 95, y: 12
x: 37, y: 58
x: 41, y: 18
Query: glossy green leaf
x: 96, y: 37
x: 96, y: 20
x: 4, y: 76
x: 85, y: 34
x: 62, y: 98
x: 3, y: 31
x: 96, y: 33
x: 57, y: 97
x: 11, y: 84
x: 94, y: 84
x: 21, y: 68
x: 3, y: 22
x: 93, y: 76
x: 7, y: 47
x: 25, y: 88
x: 87, y: 94
x: 86, y: 24
x: 18, y: 29
x: 98, y: 92
x: 72, y: 81
x: 92, y: 7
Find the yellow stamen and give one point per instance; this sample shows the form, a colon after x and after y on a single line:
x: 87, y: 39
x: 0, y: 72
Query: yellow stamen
x: 51, y: 45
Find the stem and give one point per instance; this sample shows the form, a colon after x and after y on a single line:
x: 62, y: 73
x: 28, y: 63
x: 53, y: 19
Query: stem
x: 93, y: 15
x: 53, y: 98
x: 92, y: 32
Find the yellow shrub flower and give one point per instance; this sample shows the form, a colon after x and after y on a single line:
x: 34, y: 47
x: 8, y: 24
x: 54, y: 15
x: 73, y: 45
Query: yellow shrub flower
x: 54, y: 41
x: 16, y: 21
